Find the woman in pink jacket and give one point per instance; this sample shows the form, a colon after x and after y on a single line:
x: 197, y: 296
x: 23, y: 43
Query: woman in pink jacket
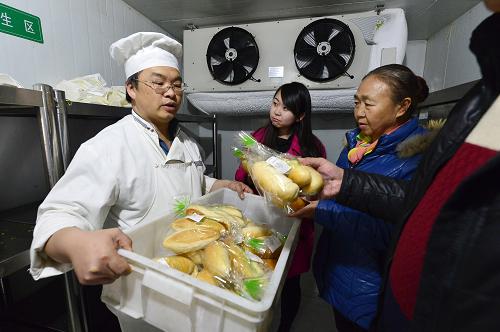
x: 289, y: 130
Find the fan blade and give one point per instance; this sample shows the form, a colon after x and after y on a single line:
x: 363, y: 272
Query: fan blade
x: 337, y: 61
x: 240, y: 73
x: 248, y: 56
x: 321, y: 32
x: 315, y: 68
x: 334, y: 69
x: 217, y: 53
x: 222, y: 71
x: 308, y: 39
x: 334, y: 32
x: 302, y: 46
x: 217, y: 47
x: 306, y: 52
x: 342, y: 43
x: 239, y: 39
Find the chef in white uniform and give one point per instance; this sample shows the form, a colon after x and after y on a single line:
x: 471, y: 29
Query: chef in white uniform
x: 131, y: 172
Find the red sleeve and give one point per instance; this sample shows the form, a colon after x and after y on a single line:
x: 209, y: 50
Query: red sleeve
x: 241, y: 175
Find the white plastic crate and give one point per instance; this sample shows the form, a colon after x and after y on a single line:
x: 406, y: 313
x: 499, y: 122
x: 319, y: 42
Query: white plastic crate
x: 170, y: 300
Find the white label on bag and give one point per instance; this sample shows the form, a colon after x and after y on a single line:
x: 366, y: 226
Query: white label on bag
x: 279, y: 164
x: 195, y: 217
x: 273, y: 243
x: 253, y: 257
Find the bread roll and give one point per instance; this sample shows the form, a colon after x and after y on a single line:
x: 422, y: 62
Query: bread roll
x: 300, y: 175
x: 216, y: 259
x: 190, y: 239
x: 316, y: 184
x: 252, y: 230
x: 195, y: 256
x: 231, y: 210
x: 185, y: 223
x: 242, y: 265
x: 297, y: 204
x: 207, y: 277
x: 180, y: 263
x: 273, y: 182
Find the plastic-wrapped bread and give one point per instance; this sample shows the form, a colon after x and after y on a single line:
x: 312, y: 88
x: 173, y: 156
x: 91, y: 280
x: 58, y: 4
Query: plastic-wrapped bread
x: 242, y: 265
x: 299, y: 174
x: 195, y: 256
x: 252, y: 230
x: 272, y: 181
x: 180, y: 263
x: 207, y: 277
x: 316, y: 184
x: 216, y: 259
x: 186, y: 223
x: 190, y: 239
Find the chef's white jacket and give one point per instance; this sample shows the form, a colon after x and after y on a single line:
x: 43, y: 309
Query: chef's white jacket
x: 120, y: 177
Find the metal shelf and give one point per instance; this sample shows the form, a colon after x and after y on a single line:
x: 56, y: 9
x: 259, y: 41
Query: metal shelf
x: 11, y: 97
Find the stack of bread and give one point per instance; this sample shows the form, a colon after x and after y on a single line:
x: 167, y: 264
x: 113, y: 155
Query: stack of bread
x: 279, y: 177
x: 218, y: 245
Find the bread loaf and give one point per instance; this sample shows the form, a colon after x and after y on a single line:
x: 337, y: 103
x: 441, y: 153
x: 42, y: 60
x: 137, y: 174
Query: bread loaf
x: 316, y: 184
x: 300, y: 175
x: 273, y: 182
x: 190, y: 239
x: 185, y: 223
x: 207, y: 277
x: 216, y: 259
x: 180, y: 263
x: 242, y: 265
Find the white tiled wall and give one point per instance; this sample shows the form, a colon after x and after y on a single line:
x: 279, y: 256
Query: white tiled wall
x: 448, y: 61
x: 77, y: 35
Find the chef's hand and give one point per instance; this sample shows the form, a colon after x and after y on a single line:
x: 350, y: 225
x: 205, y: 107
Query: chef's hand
x: 307, y: 211
x: 237, y: 186
x: 332, y: 175
x: 93, y: 254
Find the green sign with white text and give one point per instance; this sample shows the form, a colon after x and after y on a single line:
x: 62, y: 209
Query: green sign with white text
x: 20, y: 24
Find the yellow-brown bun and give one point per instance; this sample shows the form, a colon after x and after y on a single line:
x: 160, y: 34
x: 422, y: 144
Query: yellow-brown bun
x: 207, y: 277
x: 185, y: 223
x: 180, y: 263
x: 242, y: 265
x: 252, y: 230
x: 195, y: 256
x: 300, y: 175
x: 231, y: 210
x: 297, y: 204
x: 272, y: 181
x: 316, y: 184
x: 190, y: 239
x: 216, y: 259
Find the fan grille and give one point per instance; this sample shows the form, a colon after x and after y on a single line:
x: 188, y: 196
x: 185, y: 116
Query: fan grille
x: 324, y: 50
x: 232, y: 56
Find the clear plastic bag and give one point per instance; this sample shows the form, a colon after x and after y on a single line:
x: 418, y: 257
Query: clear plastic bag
x: 279, y: 177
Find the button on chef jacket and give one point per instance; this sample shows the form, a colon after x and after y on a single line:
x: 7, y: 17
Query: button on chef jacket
x: 120, y: 177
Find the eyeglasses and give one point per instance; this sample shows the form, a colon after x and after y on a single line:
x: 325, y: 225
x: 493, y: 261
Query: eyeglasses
x: 162, y: 88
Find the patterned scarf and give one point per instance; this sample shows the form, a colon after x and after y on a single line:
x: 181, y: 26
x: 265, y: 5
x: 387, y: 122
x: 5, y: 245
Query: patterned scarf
x: 364, y: 146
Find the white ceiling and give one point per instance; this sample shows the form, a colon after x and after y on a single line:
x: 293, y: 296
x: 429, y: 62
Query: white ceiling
x: 425, y: 17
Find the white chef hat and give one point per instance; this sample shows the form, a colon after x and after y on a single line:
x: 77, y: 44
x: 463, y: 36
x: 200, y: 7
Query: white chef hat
x: 143, y: 50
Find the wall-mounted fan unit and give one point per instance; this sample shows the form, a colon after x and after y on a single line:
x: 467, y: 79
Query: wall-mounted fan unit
x: 333, y: 52
x: 232, y: 56
x: 324, y: 50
